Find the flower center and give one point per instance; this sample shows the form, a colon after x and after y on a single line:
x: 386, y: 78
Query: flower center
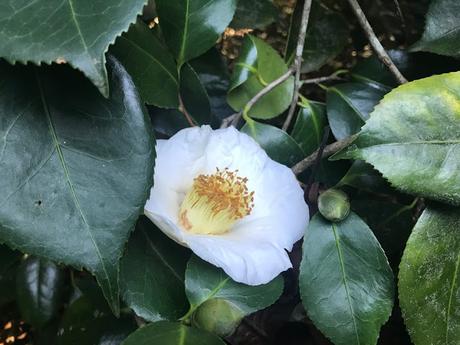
x: 215, y: 202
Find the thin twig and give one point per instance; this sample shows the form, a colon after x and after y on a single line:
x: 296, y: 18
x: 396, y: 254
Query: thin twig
x: 329, y: 150
x: 184, y: 111
x: 319, y: 156
x: 228, y: 121
x: 298, y: 62
x: 260, y: 94
x: 332, y: 77
x: 375, y: 43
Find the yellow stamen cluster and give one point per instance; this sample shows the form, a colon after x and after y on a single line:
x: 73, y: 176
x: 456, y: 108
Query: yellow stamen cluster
x: 215, y: 202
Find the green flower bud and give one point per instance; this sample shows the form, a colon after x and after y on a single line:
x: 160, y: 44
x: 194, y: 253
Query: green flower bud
x: 334, y: 205
x: 217, y: 316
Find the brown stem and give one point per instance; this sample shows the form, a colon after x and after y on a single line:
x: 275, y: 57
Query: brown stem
x: 329, y: 150
x: 298, y: 62
x: 375, y: 43
x: 184, y: 111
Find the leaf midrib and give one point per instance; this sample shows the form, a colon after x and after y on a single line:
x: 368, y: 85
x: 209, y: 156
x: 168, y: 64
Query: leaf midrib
x: 75, y: 199
x: 345, y: 282
x: 420, y: 142
x: 145, y: 52
x: 160, y: 256
x: 185, y: 33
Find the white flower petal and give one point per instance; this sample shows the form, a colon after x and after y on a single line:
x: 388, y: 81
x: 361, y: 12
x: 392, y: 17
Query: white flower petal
x: 280, y: 214
x: 248, y: 262
x: 253, y: 251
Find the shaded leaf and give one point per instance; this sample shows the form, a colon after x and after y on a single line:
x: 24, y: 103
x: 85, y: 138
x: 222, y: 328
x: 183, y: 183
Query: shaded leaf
x: 205, y: 282
x: 194, y: 96
x: 171, y: 333
x: 214, y: 76
x: 39, y: 289
x: 327, y: 35
x: 254, y: 14
x: 279, y: 145
x: 429, y: 280
x: 346, y: 283
x: 65, y: 31
x: 167, y: 122
x: 9, y: 261
x: 258, y: 65
x: 412, y: 66
x: 150, y: 65
x: 413, y: 136
x: 152, y: 274
x: 76, y: 168
x: 308, y: 130
x: 85, y: 324
x: 363, y: 176
x: 349, y: 106
x: 442, y: 29
x: 191, y: 27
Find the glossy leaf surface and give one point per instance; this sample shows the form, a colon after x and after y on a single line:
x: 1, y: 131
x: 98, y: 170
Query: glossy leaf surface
x: 191, y: 27
x: 75, y: 177
x: 279, y: 145
x: 169, y: 333
x: 429, y: 278
x: 46, y: 31
x: 258, y: 65
x: 442, y: 29
x: 152, y: 274
x: 151, y: 66
x: 204, y: 282
x: 349, y: 106
x: 39, y: 289
x: 413, y: 136
x: 308, y: 130
x: 346, y: 283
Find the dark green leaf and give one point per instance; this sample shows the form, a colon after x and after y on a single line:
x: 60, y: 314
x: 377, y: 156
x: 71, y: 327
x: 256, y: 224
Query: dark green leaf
x: 429, y: 278
x: 213, y: 73
x: 278, y: 144
x: 327, y: 35
x: 39, y: 289
x: 362, y: 176
x: 442, y: 29
x: 167, y: 122
x: 254, y: 14
x: 346, y: 283
x: 349, y: 106
x: 76, y: 167
x: 85, y: 324
x: 169, y: 333
x: 194, y: 96
x: 309, y: 126
x: 258, y: 65
x: 390, y: 220
x: 413, y: 138
x: 152, y: 274
x: 65, y: 31
x: 412, y: 66
x: 191, y: 27
x: 204, y: 282
x: 9, y: 261
x: 150, y: 65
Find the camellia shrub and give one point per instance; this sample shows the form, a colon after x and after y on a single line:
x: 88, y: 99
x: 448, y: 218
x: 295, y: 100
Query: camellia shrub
x: 205, y: 172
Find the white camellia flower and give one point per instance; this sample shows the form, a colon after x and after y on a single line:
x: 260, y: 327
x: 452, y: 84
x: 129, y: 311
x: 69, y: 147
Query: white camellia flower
x: 218, y: 193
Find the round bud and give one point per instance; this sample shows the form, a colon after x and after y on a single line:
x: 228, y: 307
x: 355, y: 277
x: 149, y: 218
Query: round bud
x: 334, y: 205
x: 217, y: 316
